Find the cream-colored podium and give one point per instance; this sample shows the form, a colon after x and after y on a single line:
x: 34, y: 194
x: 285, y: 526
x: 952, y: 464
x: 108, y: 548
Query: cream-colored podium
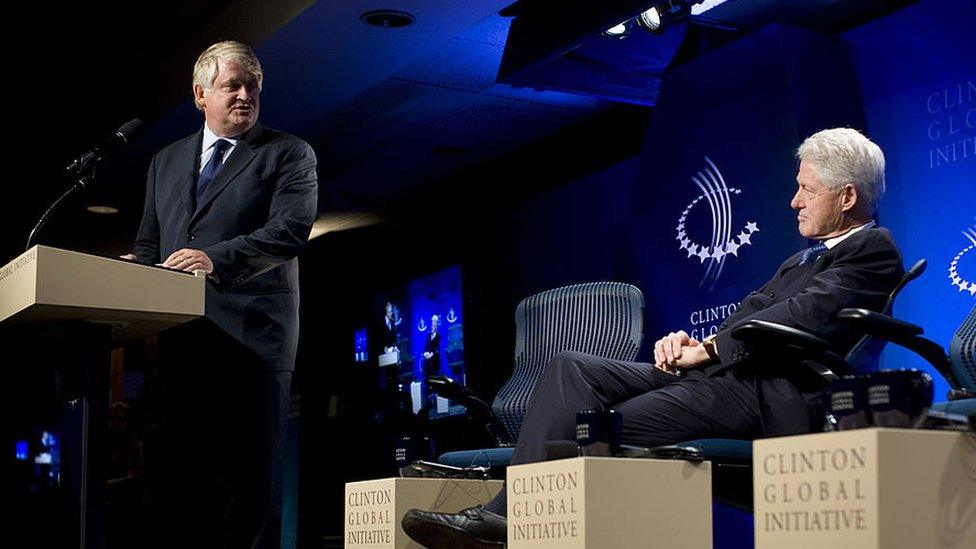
x: 50, y: 284
x: 374, y: 508
x: 71, y: 298
x: 610, y: 503
x: 866, y: 489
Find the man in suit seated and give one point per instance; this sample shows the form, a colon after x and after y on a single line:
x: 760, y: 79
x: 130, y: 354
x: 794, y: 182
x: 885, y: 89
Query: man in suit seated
x: 721, y: 387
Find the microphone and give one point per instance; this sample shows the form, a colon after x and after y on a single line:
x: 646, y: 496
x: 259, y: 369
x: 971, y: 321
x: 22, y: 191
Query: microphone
x: 116, y: 141
x: 81, y: 170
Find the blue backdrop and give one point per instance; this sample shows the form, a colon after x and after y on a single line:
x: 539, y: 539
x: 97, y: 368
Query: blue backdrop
x: 710, y: 215
x: 917, y: 75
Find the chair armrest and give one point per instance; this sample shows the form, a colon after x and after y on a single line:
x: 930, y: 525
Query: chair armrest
x: 879, y: 325
x: 449, y: 389
x: 763, y: 334
x: 479, y: 410
x: 901, y: 333
x: 770, y: 334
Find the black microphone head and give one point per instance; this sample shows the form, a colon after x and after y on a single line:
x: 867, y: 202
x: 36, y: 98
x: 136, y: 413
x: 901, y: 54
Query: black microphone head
x: 129, y: 128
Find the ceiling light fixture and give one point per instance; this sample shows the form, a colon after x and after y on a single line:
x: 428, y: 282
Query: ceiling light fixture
x: 617, y: 31
x: 387, y: 18
x: 658, y: 17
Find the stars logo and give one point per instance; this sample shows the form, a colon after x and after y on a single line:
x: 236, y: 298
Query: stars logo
x: 957, y: 279
x: 723, y: 244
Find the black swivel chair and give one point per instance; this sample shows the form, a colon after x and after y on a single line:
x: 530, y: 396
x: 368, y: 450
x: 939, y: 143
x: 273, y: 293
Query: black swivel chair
x: 958, y: 366
x: 600, y: 318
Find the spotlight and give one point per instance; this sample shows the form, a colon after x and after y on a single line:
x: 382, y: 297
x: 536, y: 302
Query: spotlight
x: 617, y: 31
x: 657, y: 18
x: 650, y: 20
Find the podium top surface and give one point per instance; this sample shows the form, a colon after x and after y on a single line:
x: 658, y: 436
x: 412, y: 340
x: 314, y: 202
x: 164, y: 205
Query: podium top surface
x: 47, y: 284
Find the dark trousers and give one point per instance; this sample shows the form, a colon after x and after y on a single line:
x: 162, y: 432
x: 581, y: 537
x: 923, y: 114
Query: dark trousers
x: 218, y: 473
x: 658, y: 408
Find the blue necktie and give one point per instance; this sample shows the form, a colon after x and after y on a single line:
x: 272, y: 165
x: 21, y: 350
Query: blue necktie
x: 212, y: 168
x: 812, y: 253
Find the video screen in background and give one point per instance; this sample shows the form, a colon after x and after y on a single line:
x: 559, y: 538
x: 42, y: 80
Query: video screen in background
x: 418, y: 330
x: 362, y: 345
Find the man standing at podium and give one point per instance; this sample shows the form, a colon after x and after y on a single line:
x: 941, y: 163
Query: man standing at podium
x: 237, y: 201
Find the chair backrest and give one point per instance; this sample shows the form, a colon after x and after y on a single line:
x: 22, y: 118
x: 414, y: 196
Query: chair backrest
x: 864, y: 356
x: 601, y: 318
x: 962, y: 352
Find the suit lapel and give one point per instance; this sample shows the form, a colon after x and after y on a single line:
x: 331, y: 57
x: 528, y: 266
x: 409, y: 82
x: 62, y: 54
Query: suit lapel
x: 239, y: 159
x: 793, y: 261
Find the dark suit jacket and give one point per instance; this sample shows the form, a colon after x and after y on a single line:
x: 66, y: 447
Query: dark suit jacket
x: 389, y: 336
x: 432, y: 365
x: 860, y: 271
x: 252, y: 221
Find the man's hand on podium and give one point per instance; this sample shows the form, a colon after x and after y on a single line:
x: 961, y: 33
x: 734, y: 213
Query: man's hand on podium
x: 189, y: 260
x: 129, y: 257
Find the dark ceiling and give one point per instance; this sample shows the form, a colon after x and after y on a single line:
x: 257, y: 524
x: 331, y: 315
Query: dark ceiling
x: 393, y: 113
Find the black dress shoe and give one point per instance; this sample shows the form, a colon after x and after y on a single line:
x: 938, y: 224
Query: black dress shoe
x: 472, y: 528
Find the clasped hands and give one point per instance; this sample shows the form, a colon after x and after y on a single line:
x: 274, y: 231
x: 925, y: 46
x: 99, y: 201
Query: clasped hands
x: 679, y: 350
x: 184, y: 259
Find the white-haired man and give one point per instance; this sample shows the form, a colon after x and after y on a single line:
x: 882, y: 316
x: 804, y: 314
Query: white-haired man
x: 432, y: 348
x: 236, y: 200
x: 725, y: 388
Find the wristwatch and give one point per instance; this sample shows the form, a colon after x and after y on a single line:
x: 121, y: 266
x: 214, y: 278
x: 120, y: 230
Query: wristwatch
x: 709, y: 345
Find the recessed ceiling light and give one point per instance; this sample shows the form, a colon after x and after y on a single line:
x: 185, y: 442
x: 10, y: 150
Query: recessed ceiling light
x: 387, y: 18
x: 102, y: 210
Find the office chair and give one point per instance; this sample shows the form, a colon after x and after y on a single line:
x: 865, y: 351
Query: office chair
x: 600, y: 318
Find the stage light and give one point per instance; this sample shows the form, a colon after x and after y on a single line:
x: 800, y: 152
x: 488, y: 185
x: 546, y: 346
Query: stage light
x: 657, y: 18
x: 650, y: 19
x: 617, y: 31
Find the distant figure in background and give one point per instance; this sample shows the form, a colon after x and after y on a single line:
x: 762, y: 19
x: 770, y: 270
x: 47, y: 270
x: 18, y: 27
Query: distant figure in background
x: 432, y: 349
x: 391, y: 339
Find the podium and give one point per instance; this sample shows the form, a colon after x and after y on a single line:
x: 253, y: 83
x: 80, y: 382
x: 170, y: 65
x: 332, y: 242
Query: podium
x: 91, y: 302
x: 609, y: 503
x: 866, y: 489
x: 374, y: 508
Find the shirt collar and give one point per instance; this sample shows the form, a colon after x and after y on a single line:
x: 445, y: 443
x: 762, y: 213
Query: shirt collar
x: 831, y: 242
x: 209, y: 138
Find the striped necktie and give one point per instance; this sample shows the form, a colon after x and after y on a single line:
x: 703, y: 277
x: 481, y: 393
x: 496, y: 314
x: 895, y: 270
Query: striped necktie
x: 812, y: 253
x: 210, y: 171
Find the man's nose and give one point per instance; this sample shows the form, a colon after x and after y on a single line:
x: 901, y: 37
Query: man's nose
x: 795, y: 201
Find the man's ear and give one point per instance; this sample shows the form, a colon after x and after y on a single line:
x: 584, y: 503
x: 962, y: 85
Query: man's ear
x: 849, y: 198
x: 198, y: 95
